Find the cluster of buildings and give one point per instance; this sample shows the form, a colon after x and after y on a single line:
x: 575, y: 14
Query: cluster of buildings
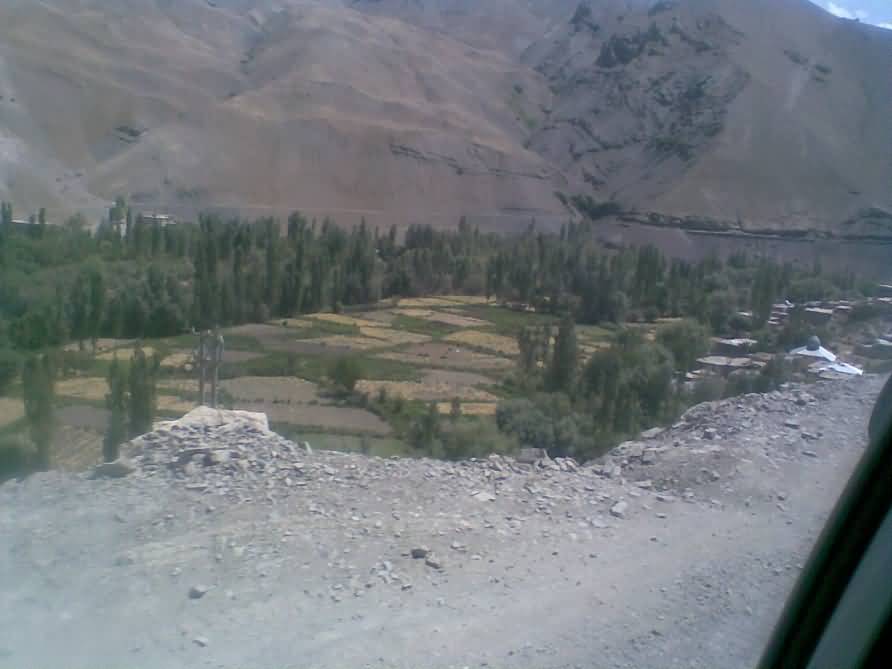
x: 730, y: 355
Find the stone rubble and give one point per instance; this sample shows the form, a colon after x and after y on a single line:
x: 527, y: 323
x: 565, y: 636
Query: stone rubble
x: 219, y: 514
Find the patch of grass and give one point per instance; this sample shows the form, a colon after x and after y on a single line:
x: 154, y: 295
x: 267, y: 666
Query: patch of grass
x: 423, y: 326
x: 382, y: 447
x: 233, y: 342
x: 593, y: 333
x: 321, y: 328
x: 507, y: 321
x: 315, y: 367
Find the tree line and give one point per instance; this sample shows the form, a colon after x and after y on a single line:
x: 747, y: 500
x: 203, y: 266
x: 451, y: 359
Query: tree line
x: 137, y: 279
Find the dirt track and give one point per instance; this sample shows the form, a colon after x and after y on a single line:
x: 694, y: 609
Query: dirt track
x: 306, y: 556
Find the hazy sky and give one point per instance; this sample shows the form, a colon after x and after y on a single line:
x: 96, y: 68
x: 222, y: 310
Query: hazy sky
x: 871, y: 11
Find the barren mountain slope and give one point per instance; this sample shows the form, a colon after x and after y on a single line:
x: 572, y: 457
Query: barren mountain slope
x: 766, y: 114
x: 771, y: 113
x: 186, y: 105
x: 230, y: 547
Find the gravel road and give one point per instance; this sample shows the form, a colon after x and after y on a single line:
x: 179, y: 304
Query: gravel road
x: 231, y: 547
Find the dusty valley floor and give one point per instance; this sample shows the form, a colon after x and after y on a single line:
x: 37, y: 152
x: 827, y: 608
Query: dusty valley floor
x: 231, y: 547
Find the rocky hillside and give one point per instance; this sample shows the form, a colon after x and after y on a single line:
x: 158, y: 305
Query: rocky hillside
x: 226, y: 545
x: 764, y: 115
x: 756, y: 115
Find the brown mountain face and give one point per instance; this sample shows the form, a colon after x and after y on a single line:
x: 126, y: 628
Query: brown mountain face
x: 719, y: 114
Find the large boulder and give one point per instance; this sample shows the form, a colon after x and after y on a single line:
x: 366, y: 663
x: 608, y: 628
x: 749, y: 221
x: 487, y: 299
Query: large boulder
x: 208, y: 417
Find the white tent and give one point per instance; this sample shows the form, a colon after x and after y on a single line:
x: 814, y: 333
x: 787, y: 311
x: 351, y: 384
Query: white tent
x: 836, y: 367
x: 819, y: 352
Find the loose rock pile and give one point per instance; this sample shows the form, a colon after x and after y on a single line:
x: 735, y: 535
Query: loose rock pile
x: 217, y: 524
x: 233, y: 454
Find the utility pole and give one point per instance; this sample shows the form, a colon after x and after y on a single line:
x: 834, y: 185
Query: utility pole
x: 209, y: 356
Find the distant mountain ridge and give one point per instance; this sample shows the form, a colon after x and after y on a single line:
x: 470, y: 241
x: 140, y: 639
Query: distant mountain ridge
x: 761, y: 115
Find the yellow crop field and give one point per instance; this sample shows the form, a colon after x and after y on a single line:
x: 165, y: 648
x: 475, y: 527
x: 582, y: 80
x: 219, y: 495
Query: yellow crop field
x: 486, y: 340
x: 341, y: 319
x: 271, y: 389
x: 392, y: 336
x: 174, y: 404
x: 85, y: 388
x: 102, y: 344
x: 177, y: 360
x: 445, y: 317
x: 425, y: 391
x: 347, y: 342
x: 468, y: 299
x: 177, y: 386
x: 11, y: 410
x: 124, y: 354
x: 416, y: 302
x: 292, y: 322
x: 469, y: 408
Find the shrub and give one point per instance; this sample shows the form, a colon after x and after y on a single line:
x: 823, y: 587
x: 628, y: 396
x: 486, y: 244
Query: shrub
x: 16, y: 457
x: 773, y: 375
x: 708, y: 389
x: 345, y: 372
x: 474, y: 438
x: 548, y: 422
x: 687, y: 340
x: 9, y: 369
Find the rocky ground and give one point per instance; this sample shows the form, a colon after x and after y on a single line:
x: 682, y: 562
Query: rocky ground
x: 228, y: 546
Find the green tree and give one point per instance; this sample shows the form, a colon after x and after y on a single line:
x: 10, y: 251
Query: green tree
x: 142, y: 381
x: 687, y: 340
x: 346, y: 372
x: 720, y: 307
x: 95, y: 303
x: 9, y: 368
x: 38, y: 381
x: 455, y: 409
x: 79, y: 305
x: 561, y: 375
x: 6, y: 213
x: 424, y: 432
x: 116, y: 402
x: 762, y: 294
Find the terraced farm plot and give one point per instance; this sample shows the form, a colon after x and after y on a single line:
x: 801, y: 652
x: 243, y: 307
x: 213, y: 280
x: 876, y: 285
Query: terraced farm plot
x: 342, y: 319
x: 292, y: 323
x: 333, y: 418
x: 425, y: 392
x: 177, y: 360
x: 415, y: 302
x: 393, y: 337
x: 445, y: 317
x: 240, y: 356
x: 271, y: 389
x: 469, y: 408
x: 102, y: 344
x: 380, y: 316
x: 346, y: 343
x: 83, y: 388
x: 11, y: 410
x: 468, y: 299
x: 442, y: 354
x: 174, y: 405
x: 124, y: 354
x: 486, y: 340
x: 184, y: 359
x: 75, y: 449
x: 84, y: 417
x: 456, y: 378
x: 178, y: 386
